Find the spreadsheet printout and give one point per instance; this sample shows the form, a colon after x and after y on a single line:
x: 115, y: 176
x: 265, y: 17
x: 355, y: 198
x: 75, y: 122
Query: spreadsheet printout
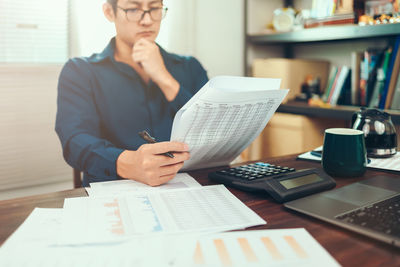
x: 224, y: 117
x: 88, y: 220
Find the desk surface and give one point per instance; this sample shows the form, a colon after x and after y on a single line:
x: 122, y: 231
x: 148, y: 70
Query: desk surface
x: 348, y: 248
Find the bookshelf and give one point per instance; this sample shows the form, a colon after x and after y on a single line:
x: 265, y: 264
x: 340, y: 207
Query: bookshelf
x: 331, y: 38
x: 331, y: 43
x: 339, y: 112
x: 326, y: 33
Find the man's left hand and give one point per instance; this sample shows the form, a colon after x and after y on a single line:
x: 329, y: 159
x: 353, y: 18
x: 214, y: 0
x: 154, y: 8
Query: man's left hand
x: 147, y: 54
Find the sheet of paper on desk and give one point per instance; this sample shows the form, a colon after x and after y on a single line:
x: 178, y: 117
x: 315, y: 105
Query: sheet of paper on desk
x: 118, y: 187
x: 281, y: 247
x: 34, y: 244
x: 391, y: 164
x: 224, y: 117
x: 112, y: 218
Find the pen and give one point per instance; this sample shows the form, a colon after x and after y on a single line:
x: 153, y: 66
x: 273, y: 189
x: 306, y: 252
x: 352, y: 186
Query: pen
x: 317, y: 153
x: 151, y: 140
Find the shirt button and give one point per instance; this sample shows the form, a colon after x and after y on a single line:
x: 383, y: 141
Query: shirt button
x: 107, y: 172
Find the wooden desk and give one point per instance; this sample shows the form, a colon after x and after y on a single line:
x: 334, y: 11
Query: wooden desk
x: 349, y: 249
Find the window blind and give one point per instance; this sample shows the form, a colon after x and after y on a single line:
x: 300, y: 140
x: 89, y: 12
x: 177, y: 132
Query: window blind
x: 33, y: 31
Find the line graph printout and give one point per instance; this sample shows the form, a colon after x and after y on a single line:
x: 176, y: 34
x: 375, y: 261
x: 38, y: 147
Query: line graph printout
x: 189, y: 210
x: 283, y: 247
x: 34, y: 244
x: 224, y: 117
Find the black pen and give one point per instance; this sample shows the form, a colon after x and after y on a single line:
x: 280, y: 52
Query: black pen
x: 151, y: 140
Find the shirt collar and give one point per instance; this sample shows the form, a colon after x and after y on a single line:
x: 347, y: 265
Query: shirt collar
x: 108, y: 53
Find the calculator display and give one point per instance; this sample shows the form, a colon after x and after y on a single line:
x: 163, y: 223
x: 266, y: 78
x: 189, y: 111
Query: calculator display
x: 303, y: 180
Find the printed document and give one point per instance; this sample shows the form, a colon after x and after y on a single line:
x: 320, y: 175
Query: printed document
x: 118, y: 187
x: 224, y: 117
x: 34, y: 244
x: 281, y: 247
x: 391, y: 164
x: 112, y: 218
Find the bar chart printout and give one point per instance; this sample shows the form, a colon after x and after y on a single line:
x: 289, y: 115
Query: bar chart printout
x: 283, y: 247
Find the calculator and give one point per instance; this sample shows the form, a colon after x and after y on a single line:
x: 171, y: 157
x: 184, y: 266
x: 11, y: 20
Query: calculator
x: 280, y: 182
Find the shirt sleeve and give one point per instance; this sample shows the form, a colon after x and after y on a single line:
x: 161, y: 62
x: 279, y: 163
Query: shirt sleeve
x: 78, y: 124
x: 199, y: 77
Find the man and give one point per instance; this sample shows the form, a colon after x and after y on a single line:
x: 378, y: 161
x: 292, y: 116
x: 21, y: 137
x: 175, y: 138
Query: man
x: 133, y: 85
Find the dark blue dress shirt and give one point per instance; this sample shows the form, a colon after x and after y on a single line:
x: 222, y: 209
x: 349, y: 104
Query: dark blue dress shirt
x: 103, y: 104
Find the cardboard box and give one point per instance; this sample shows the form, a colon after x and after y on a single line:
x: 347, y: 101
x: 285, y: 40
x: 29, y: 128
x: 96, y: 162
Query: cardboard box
x: 292, y: 72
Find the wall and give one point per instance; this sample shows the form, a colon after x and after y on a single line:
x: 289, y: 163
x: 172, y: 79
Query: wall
x: 212, y: 31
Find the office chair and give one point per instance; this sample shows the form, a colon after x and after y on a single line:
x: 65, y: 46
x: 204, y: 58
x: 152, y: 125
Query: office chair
x: 77, y: 178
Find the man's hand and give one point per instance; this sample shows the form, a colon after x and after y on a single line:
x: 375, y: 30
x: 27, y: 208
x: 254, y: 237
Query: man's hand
x: 147, y: 55
x: 146, y: 165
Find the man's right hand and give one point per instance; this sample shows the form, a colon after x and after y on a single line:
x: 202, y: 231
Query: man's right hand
x: 148, y: 166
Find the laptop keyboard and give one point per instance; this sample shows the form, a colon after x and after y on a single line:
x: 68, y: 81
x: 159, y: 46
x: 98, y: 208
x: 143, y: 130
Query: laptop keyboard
x: 383, y: 216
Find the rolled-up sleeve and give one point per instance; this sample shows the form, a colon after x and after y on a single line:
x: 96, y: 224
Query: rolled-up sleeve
x: 198, y: 76
x: 78, y: 124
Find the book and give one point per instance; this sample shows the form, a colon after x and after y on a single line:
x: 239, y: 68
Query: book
x: 396, y: 96
x: 338, y: 19
x: 393, y: 80
x: 389, y: 72
x: 380, y: 80
x: 374, y: 63
x: 340, y: 84
x: 345, y: 92
x: 355, y: 77
x: 363, y: 79
x: 334, y: 84
x: 331, y: 79
x: 368, y: 68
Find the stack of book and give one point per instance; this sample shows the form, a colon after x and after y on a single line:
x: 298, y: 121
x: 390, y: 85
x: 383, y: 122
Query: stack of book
x: 372, y: 81
x: 338, y: 87
x: 336, y: 19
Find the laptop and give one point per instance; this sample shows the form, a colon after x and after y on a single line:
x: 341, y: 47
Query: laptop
x: 370, y: 207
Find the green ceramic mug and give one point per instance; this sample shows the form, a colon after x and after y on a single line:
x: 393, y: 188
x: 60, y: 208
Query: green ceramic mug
x: 344, y: 153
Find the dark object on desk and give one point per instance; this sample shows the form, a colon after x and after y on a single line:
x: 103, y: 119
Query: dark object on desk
x: 281, y: 183
x: 151, y: 140
x: 370, y: 207
x: 318, y: 153
x: 344, y: 153
x: 379, y: 132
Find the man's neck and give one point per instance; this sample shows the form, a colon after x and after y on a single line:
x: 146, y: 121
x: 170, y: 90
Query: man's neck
x: 123, y: 52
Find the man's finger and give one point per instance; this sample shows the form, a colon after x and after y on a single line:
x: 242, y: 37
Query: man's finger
x: 178, y: 158
x: 164, y: 179
x: 170, y: 169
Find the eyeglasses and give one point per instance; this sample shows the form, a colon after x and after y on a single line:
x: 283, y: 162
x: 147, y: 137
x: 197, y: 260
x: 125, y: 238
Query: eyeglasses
x: 137, y: 14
